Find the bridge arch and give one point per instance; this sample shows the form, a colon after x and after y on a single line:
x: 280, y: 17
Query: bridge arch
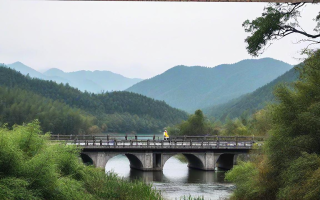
x: 194, y: 160
x: 155, y: 161
x: 226, y: 161
x: 86, y: 159
x: 134, y: 160
x: 100, y: 159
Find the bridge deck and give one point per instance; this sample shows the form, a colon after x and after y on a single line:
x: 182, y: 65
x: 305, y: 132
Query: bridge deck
x: 185, y: 142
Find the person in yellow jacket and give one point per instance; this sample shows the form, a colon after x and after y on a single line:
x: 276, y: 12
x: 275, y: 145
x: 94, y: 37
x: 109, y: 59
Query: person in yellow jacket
x: 165, y: 135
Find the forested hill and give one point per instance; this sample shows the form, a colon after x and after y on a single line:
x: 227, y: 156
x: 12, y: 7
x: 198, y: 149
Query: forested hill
x: 190, y: 88
x: 115, y: 111
x: 91, y: 81
x: 251, y: 102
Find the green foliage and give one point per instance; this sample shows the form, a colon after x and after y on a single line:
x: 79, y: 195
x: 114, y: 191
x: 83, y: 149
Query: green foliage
x: 291, y: 165
x: 302, y: 178
x: 244, y: 176
x: 18, y: 106
x: 195, y: 125
x: 277, y: 21
x: 65, y: 110
x: 258, y: 124
x: 234, y: 127
x: 31, y: 167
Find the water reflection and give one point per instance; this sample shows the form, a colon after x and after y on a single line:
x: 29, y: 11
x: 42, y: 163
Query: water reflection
x: 176, y: 179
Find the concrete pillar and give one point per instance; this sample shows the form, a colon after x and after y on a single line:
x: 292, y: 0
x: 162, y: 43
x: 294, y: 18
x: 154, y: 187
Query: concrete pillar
x: 101, y: 160
x: 147, y: 161
x: 210, y: 161
x: 235, y: 157
x: 142, y: 161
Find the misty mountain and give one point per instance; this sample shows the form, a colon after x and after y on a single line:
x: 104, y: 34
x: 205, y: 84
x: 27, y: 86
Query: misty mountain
x: 191, y: 88
x: 251, y: 102
x: 96, y: 81
x: 24, y: 69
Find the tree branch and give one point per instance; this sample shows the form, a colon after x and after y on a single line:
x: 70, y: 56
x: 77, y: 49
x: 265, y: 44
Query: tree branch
x: 294, y: 30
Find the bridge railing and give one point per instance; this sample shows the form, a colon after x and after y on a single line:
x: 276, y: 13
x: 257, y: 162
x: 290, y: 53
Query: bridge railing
x: 155, y: 137
x: 157, y: 142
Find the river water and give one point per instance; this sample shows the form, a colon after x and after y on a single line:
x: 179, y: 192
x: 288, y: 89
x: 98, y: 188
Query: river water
x: 176, y: 180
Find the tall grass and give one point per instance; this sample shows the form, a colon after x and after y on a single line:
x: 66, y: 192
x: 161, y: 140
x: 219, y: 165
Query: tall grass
x: 31, y: 167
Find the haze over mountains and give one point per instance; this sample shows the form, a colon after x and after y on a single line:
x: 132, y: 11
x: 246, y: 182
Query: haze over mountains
x: 91, y: 81
x: 191, y: 88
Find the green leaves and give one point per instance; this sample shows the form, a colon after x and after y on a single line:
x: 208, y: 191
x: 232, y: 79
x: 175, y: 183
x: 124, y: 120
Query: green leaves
x: 276, y: 22
x: 31, y: 167
x: 244, y: 176
x: 196, y: 124
x: 293, y: 148
x: 301, y: 178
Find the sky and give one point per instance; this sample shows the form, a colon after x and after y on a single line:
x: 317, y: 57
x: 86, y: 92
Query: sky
x: 135, y: 39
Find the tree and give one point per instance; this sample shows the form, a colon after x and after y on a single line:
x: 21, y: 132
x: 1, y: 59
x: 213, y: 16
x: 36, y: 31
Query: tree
x: 195, y: 125
x: 290, y: 168
x: 277, y: 21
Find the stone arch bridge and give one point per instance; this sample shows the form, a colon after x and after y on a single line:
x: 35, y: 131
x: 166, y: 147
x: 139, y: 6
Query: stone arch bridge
x: 203, y: 153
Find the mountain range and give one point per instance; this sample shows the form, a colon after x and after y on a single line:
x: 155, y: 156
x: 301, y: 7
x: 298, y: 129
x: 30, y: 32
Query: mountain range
x: 191, y: 88
x: 182, y: 87
x: 91, y: 81
x: 66, y: 110
x: 251, y: 102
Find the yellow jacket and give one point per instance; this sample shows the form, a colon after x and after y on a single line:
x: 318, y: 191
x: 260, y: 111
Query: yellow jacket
x: 165, y: 134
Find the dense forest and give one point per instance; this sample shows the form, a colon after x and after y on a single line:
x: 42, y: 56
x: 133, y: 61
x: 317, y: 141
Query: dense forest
x: 252, y: 102
x: 66, y: 110
x: 195, y: 87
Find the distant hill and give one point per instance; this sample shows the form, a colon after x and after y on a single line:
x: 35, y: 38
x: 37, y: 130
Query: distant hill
x: 96, y: 81
x: 191, y: 88
x: 251, y: 102
x: 65, y: 110
x: 24, y: 69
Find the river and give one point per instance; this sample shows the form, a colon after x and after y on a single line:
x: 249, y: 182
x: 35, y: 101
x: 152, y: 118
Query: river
x: 176, y: 180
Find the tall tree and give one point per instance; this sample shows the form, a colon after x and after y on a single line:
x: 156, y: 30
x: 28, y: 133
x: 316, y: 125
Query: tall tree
x: 278, y: 21
x: 290, y: 168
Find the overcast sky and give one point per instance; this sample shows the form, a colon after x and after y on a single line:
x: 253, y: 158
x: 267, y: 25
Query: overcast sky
x: 135, y: 39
